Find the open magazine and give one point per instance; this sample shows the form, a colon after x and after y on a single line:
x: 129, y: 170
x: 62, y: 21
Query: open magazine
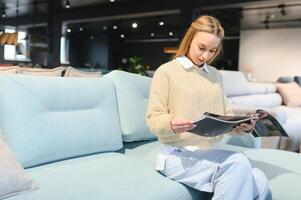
x: 211, y: 125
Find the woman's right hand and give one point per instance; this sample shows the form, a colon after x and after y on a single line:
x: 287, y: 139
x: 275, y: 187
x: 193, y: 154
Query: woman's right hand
x: 181, y: 125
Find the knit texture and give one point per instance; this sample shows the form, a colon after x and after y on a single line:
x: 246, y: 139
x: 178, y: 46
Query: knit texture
x: 187, y: 94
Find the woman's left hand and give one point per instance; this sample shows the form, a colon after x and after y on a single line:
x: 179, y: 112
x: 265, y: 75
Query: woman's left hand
x: 246, y: 127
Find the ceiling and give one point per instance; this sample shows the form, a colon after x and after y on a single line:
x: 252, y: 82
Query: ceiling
x: 41, y: 6
x: 147, y: 27
x: 281, y: 15
x: 85, y: 15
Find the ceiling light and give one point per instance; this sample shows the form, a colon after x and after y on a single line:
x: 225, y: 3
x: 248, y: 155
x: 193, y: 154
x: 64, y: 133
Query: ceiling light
x: 134, y: 25
x: 170, y: 33
x: 152, y: 34
x: 91, y: 37
x: 81, y: 28
x: 122, y: 36
x: 115, y: 27
x: 3, y: 14
x: 124, y: 60
x: 67, y: 4
x: 112, y: 1
x: 161, y: 23
x: 104, y: 28
x: 69, y: 30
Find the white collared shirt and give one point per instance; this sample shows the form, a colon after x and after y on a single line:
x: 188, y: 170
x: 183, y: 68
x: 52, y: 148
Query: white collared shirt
x: 186, y: 62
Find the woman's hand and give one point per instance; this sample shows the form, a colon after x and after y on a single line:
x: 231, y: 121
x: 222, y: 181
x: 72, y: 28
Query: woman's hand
x: 246, y: 127
x: 181, y: 125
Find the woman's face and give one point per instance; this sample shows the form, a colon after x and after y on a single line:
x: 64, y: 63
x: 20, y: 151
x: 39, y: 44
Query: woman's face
x: 203, y: 47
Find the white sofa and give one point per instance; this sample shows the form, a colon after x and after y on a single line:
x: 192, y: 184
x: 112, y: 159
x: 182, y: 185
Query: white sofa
x: 248, y: 96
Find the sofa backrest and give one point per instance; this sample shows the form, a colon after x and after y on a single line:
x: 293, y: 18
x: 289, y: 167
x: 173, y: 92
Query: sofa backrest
x: 132, y: 96
x: 45, y: 119
x: 9, y: 70
x: 235, y: 83
x: 241, y: 92
x: 41, y: 71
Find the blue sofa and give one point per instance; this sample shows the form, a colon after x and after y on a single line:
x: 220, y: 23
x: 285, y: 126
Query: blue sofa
x: 86, y: 139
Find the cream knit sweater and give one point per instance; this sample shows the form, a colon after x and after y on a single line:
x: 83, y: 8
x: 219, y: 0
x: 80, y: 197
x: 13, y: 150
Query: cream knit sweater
x: 177, y: 92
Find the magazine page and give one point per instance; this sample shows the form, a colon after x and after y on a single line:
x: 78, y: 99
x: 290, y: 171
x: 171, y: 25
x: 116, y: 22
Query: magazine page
x: 267, y: 126
x: 211, y: 125
x: 229, y: 118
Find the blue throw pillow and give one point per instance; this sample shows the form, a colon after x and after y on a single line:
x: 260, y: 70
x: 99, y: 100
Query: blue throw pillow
x: 132, y: 97
x: 45, y: 119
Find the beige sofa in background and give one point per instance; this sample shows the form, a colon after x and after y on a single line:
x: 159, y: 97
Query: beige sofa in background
x: 58, y: 71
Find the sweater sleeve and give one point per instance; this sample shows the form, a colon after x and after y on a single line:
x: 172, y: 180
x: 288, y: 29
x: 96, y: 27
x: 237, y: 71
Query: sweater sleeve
x: 158, y: 119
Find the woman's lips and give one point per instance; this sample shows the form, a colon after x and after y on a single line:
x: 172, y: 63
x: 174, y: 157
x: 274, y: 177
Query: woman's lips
x: 200, y: 62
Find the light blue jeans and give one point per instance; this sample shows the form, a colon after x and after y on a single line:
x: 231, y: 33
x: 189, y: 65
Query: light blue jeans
x: 228, y: 174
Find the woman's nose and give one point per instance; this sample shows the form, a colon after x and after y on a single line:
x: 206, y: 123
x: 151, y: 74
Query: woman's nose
x: 204, y: 55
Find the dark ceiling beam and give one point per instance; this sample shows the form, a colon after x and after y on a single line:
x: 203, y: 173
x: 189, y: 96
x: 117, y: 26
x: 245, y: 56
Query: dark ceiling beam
x: 100, y: 11
x: 228, y: 4
x: 147, y: 6
x: 123, y: 16
x: 120, y: 10
x: 26, y: 20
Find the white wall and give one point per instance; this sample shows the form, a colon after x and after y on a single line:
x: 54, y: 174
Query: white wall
x: 269, y: 54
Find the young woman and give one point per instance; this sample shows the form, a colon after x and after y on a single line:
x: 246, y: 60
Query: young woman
x: 181, y: 91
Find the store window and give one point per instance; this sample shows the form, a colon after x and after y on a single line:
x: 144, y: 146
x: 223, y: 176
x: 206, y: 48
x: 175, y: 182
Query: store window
x: 19, y: 52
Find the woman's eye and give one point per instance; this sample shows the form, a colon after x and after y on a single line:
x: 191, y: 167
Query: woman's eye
x: 213, y: 51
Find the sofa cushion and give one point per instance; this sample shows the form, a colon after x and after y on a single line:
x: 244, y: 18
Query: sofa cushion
x: 257, y: 100
x: 13, y: 178
x: 145, y: 150
x: 235, y: 83
x: 132, y: 96
x: 72, y: 72
x: 41, y: 71
x: 104, y: 176
x: 45, y: 119
x: 282, y: 168
x: 291, y: 93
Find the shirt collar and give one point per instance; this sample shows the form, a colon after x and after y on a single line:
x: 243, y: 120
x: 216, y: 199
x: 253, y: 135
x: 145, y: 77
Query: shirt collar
x: 186, y: 62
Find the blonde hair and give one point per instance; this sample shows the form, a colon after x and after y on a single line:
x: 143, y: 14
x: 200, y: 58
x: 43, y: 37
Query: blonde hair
x: 204, y: 23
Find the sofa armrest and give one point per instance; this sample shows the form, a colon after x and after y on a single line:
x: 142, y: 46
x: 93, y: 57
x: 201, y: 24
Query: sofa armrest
x: 261, y: 88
